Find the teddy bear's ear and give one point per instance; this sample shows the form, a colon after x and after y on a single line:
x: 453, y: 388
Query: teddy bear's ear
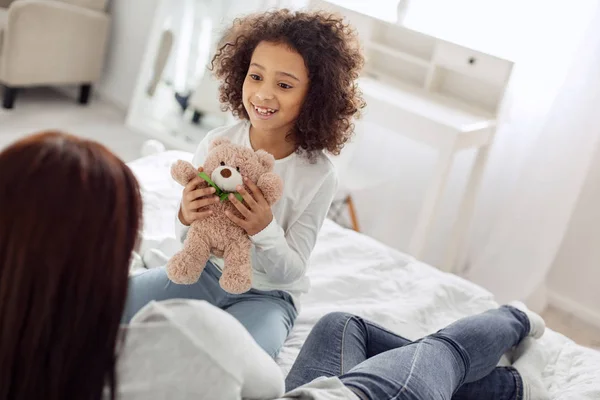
x: 218, y: 142
x: 266, y: 159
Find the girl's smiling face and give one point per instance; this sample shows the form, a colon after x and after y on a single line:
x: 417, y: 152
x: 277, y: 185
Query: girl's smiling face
x: 275, y: 87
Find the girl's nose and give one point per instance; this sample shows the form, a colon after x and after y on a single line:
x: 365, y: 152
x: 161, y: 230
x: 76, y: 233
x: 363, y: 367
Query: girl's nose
x: 264, y: 94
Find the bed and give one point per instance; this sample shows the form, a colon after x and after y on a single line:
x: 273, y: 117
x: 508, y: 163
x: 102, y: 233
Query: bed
x: 354, y: 273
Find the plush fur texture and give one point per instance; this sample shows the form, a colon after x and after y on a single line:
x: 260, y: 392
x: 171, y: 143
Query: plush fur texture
x: 217, y: 234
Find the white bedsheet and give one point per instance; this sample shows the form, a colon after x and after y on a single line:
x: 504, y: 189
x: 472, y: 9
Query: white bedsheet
x: 354, y: 273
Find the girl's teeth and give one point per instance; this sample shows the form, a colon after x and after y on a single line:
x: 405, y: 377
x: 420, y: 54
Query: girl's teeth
x: 264, y: 111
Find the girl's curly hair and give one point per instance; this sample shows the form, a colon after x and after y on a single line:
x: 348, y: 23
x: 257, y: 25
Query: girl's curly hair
x: 332, y: 55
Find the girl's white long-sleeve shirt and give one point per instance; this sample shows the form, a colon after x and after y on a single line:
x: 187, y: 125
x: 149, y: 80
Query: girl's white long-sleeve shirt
x: 281, y: 251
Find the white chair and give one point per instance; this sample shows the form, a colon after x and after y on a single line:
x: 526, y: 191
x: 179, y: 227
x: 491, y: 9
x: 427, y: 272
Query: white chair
x: 52, y: 42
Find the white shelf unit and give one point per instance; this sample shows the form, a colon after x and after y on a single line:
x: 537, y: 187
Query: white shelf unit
x: 436, y: 92
x: 398, y: 56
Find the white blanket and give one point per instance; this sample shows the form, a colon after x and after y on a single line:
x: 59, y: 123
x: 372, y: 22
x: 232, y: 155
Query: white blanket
x: 354, y: 273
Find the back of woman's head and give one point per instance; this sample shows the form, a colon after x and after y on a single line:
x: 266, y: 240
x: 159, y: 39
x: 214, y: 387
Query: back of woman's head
x: 69, y: 216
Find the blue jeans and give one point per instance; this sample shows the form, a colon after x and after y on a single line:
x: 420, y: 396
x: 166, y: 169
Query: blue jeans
x: 268, y: 316
x: 458, y: 362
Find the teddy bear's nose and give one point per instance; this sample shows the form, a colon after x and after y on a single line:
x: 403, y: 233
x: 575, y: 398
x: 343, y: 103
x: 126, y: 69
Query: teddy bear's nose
x: 225, y: 172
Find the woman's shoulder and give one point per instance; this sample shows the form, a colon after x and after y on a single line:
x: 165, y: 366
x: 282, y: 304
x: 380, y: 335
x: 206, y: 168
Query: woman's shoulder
x: 167, y: 338
x: 194, y: 342
x: 195, y: 315
x: 194, y: 326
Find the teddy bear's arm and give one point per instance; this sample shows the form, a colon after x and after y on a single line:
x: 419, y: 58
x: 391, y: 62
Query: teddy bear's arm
x: 271, y: 186
x: 183, y: 172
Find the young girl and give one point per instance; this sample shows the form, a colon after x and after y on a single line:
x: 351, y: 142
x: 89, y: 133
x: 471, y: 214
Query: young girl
x: 290, y: 78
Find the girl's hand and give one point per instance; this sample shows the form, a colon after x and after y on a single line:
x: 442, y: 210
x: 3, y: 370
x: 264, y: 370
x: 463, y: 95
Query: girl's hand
x: 194, y: 201
x: 255, y: 209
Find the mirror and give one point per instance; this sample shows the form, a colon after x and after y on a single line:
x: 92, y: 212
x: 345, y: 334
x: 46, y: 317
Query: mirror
x: 176, y: 97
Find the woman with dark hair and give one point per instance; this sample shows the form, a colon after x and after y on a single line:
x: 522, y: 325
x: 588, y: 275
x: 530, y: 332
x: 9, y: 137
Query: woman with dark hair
x: 69, y: 218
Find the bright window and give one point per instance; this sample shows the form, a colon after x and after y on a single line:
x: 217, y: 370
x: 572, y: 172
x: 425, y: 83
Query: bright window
x: 507, y: 28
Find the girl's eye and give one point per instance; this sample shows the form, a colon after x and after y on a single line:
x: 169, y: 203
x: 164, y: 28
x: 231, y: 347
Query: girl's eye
x: 238, y: 169
x: 222, y: 163
x: 255, y: 77
x: 284, y: 86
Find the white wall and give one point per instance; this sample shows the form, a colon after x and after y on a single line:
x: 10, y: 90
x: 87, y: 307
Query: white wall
x: 575, y: 276
x: 131, y: 23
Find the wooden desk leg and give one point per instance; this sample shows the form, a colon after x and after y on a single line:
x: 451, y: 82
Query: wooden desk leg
x: 431, y: 204
x: 458, y: 239
x: 353, y: 215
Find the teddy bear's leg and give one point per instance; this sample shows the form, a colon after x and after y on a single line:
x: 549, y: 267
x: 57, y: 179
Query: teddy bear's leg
x: 186, y: 266
x: 237, y: 273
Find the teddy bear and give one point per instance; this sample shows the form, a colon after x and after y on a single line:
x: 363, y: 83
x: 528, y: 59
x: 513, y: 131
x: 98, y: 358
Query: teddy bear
x: 224, y: 168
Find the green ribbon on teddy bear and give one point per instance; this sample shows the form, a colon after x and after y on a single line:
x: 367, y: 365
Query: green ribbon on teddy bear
x: 218, y: 191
